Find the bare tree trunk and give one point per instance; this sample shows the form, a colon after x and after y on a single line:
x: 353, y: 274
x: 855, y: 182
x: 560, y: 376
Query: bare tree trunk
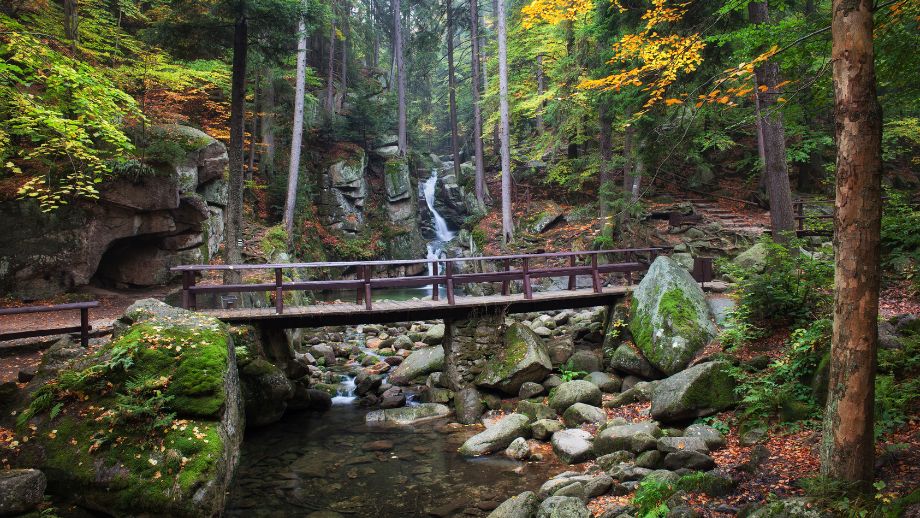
x: 452, y: 86
x: 541, y: 88
x: 346, y: 9
x: 267, y: 160
x: 72, y: 22
x: 605, y: 187
x: 847, y: 448
x: 297, y: 131
x: 330, y: 68
x: 505, y: 123
x: 402, y: 137
x: 233, y: 251
x: 774, y: 139
x: 253, y: 127
x: 477, y: 109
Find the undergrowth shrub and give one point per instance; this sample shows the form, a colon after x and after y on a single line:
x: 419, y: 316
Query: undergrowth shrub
x: 651, y: 498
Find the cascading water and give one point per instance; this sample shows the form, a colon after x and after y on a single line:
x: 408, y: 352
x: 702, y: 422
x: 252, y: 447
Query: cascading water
x: 346, y: 392
x: 441, y: 232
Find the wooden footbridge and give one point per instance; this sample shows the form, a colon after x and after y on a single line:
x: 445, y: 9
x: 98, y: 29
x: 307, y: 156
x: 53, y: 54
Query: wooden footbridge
x: 510, y: 271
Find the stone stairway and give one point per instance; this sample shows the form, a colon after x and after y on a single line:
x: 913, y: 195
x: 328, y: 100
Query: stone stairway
x: 712, y: 212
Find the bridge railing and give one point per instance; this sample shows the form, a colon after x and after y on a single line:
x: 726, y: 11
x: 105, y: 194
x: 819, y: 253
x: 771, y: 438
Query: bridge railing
x: 509, y: 268
x: 810, y: 224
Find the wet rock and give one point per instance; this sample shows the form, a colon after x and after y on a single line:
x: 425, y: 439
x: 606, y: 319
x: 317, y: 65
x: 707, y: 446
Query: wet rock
x: 672, y: 444
x: 699, y: 391
x: 408, y: 415
x: 636, y: 437
x: 571, y: 392
x: 530, y: 389
x: 437, y: 395
x: 265, y: 390
x: 498, y: 436
x: 580, y: 413
x: 573, y: 446
x: 627, y: 359
x: 523, y: 505
x: 609, y: 383
x: 381, y: 445
x: 712, y: 437
x: 434, y: 335
x: 366, y: 383
x: 543, y: 429
x: 21, y: 490
x: 518, y: 449
x: 670, y: 320
x: 309, y: 399
x: 420, y: 363
x: 468, y: 404
x: 563, y: 507
x: 523, y: 359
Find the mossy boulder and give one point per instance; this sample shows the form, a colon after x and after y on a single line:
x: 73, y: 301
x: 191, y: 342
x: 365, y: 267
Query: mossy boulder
x: 498, y: 436
x: 753, y: 259
x: 421, y: 362
x: 699, y: 391
x: 670, y: 320
x: 627, y: 359
x: 150, y: 423
x: 397, y: 181
x: 524, y: 358
x: 266, y: 391
x: 571, y: 392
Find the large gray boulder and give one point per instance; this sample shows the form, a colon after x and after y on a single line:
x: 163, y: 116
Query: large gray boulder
x: 573, y: 445
x: 21, y: 490
x: 421, y: 362
x: 636, y: 438
x: 266, y: 391
x: 753, y: 259
x: 626, y: 359
x: 498, y: 436
x: 699, y: 391
x: 523, y: 505
x: 577, y: 391
x: 563, y: 507
x: 434, y: 335
x: 580, y: 413
x: 524, y: 359
x: 408, y: 415
x: 670, y: 320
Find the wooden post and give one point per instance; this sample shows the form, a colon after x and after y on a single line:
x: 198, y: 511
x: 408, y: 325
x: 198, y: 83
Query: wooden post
x: 186, y: 284
x: 367, y: 287
x: 572, y: 277
x: 279, y: 293
x: 629, y: 259
x: 528, y: 291
x: 359, y: 292
x: 84, y: 327
x: 506, y: 284
x: 435, y: 291
x: 449, y: 271
x: 800, y: 212
x: 192, y: 301
x: 595, y: 277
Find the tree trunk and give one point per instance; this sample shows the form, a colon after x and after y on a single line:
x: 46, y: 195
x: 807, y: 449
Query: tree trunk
x: 297, y: 131
x: 605, y: 187
x: 452, y: 87
x: 541, y: 88
x: 72, y: 22
x: 477, y: 109
x: 847, y: 448
x: 774, y: 139
x: 507, y: 222
x: 267, y: 160
x: 253, y: 128
x: 330, y: 72
x: 343, y: 66
x: 402, y: 137
x: 233, y: 251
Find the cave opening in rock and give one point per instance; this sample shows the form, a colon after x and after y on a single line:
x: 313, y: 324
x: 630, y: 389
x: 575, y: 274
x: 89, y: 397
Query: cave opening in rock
x: 137, y: 262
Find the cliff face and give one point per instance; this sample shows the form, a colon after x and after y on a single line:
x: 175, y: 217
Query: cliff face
x: 142, y: 224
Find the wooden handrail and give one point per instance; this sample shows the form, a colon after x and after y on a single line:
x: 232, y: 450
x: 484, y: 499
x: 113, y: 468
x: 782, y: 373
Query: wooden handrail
x: 84, y: 328
x: 364, y: 282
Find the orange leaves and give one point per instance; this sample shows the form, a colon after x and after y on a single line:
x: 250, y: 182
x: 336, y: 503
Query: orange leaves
x: 554, y: 11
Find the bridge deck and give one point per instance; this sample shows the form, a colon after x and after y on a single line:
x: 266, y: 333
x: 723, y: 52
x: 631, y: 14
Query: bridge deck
x: 412, y: 310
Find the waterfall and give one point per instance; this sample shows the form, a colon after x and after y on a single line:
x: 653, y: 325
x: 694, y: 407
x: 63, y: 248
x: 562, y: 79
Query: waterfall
x: 346, y: 392
x: 441, y: 232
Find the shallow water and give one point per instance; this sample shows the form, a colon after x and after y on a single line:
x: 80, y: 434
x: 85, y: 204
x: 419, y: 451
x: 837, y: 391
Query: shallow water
x: 331, y: 462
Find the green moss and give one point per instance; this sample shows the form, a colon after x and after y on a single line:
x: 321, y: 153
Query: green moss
x: 680, y: 315
x: 503, y: 364
x: 274, y: 241
x: 704, y: 482
x: 717, y: 392
x: 258, y: 367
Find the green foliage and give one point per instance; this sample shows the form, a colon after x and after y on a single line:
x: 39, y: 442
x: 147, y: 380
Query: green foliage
x: 274, y: 241
x: 897, y: 385
x: 900, y: 239
x: 568, y: 373
x: 651, y: 498
x: 851, y: 500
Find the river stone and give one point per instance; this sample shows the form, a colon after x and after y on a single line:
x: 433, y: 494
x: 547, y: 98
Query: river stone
x: 563, y: 507
x: 670, y: 320
x: 584, y: 361
x: 795, y: 507
x: 434, y: 335
x: 552, y: 381
x: 662, y: 475
x: 408, y: 415
x: 20, y: 490
x: 580, y: 413
x: 608, y: 461
x: 626, y: 359
x: 577, y: 391
x: 640, y: 393
x: 543, y: 429
x: 498, y: 436
x: 649, y: 459
x: 606, y: 382
x: 699, y: 391
x: 573, y: 446
x: 574, y: 489
x: 689, y: 460
x: 524, y: 358
x: 530, y: 389
x: 535, y: 411
x: 469, y: 406
x: 672, y: 444
x: 636, y: 437
x: 420, y: 363
x: 560, y: 349
x: 518, y: 449
x: 523, y: 505
x: 712, y: 437
x: 599, y: 485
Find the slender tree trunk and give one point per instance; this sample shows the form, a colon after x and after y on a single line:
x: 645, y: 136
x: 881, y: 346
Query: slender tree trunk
x: 253, y: 128
x: 605, y: 187
x: 402, y: 136
x: 297, y: 131
x: 346, y: 9
x: 477, y: 109
x: 774, y: 139
x: 267, y: 160
x: 541, y: 88
x: 330, y: 72
x: 233, y: 251
x: 72, y: 22
x: 847, y: 448
x: 507, y: 221
x: 628, y: 160
x: 452, y: 86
